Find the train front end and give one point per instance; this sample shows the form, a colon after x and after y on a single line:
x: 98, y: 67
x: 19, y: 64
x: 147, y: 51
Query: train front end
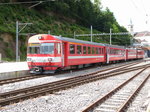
x: 43, y: 54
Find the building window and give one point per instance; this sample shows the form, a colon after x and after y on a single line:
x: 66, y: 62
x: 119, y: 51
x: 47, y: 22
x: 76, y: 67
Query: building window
x: 72, y: 49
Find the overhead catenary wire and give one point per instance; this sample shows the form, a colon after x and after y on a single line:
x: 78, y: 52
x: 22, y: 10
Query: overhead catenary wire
x: 144, y: 12
x: 143, y: 7
x: 27, y: 2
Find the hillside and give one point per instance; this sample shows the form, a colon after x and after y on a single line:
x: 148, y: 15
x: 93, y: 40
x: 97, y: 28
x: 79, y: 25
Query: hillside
x: 59, y: 20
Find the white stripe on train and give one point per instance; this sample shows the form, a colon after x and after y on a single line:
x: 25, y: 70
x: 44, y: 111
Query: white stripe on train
x: 58, y: 59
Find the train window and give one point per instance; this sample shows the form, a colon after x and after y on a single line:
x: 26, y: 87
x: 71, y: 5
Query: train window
x: 93, y: 50
x: 84, y: 49
x: 72, y: 49
x: 34, y: 50
x: 97, y: 51
x: 58, y: 48
x: 115, y: 51
x: 89, y: 50
x: 79, y: 49
x: 111, y: 51
x: 102, y: 51
x: 47, y: 48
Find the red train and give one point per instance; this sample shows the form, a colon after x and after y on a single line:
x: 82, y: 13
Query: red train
x: 47, y: 53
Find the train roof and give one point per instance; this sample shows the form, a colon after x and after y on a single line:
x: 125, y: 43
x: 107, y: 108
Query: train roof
x: 131, y: 48
x: 87, y: 42
x: 77, y: 41
x: 115, y: 46
x: 35, y: 38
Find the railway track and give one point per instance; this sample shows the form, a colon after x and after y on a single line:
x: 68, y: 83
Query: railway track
x: 118, y: 99
x: 35, y: 91
x: 17, y: 79
x: 28, y: 77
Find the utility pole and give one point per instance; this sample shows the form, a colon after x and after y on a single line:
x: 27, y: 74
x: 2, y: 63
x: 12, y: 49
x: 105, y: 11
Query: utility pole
x: 74, y: 35
x: 91, y: 34
x: 17, y: 35
x: 49, y: 32
x: 110, y: 35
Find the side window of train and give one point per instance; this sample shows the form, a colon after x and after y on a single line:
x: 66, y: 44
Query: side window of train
x: 89, y: 50
x: 79, y: 49
x: 84, y: 49
x: 97, y: 51
x: 93, y: 50
x: 72, y: 49
x: 110, y: 51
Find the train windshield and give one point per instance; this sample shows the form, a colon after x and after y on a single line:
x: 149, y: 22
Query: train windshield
x: 47, y: 48
x: 34, y: 50
x: 44, y: 48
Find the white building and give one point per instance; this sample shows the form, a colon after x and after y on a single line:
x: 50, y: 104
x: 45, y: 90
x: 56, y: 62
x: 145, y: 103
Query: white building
x: 142, y: 40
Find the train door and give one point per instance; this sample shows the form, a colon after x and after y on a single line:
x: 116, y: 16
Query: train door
x: 107, y: 54
x: 64, y: 54
x: 126, y: 54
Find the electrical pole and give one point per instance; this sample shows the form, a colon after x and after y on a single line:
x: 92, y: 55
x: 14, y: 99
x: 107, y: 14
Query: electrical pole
x: 17, y: 35
x: 49, y: 32
x: 91, y: 34
x: 110, y: 35
x: 74, y: 35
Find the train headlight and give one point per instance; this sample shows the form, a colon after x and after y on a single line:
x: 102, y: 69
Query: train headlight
x: 50, y: 59
x: 29, y: 59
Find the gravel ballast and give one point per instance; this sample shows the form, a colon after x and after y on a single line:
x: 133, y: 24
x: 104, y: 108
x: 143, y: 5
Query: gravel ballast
x: 70, y: 100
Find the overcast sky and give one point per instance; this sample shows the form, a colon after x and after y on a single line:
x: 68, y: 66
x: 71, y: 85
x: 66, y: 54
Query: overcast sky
x: 125, y: 10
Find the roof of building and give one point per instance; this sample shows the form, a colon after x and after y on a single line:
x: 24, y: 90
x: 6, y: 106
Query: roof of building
x: 142, y: 34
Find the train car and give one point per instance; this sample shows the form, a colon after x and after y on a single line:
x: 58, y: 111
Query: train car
x: 47, y: 53
x: 131, y: 53
x: 140, y: 54
x: 115, y: 53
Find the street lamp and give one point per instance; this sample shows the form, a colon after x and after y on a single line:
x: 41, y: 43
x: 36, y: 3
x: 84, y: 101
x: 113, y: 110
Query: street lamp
x: 17, y: 35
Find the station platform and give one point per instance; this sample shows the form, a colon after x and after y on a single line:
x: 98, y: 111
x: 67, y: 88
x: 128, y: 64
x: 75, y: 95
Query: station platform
x: 13, y: 66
